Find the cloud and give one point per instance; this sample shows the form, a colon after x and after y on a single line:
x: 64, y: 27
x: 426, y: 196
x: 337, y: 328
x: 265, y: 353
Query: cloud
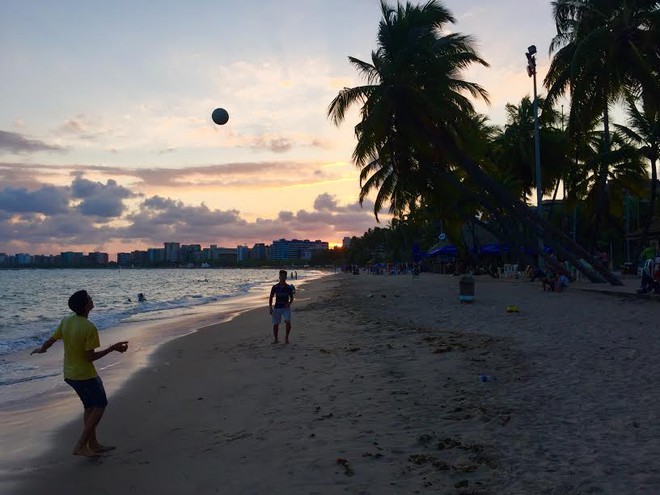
x: 85, y: 215
x: 159, y: 219
x: 251, y: 175
x: 49, y: 200
x: 325, y: 202
x: 84, y: 196
x: 22, y: 175
x: 281, y: 144
x: 17, y: 143
x: 35, y: 233
x: 275, y: 144
x: 206, y: 179
x: 285, y: 216
x: 235, y: 174
x: 161, y: 210
x: 101, y: 200
x: 79, y: 127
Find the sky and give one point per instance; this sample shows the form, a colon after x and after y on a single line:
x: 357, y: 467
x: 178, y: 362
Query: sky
x: 106, y: 137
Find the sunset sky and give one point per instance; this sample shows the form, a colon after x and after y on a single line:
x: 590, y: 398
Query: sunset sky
x: 106, y: 137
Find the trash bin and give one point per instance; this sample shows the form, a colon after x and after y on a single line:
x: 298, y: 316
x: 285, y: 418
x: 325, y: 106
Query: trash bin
x: 466, y: 289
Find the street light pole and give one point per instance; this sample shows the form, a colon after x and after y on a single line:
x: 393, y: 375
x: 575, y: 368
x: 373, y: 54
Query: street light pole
x: 531, y: 72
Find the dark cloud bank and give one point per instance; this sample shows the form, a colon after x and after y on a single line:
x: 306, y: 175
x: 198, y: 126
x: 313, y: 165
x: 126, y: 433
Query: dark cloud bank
x: 88, y: 213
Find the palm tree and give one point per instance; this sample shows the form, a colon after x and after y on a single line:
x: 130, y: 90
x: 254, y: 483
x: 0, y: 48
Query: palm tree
x: 643, y: 131
x: 625, y: 169
x: 603, y: 48
x: 413, y: 83
x: 513, y: 149
x: 415, y: 122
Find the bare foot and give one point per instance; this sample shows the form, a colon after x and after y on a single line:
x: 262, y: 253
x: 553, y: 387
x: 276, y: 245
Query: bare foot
x: 102, y: 448
x: 86, y: 452
x: 276, y: 341
x: 286, y: 341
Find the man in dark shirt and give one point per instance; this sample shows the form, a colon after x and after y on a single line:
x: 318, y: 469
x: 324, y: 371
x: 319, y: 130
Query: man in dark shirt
x: 283, y: 294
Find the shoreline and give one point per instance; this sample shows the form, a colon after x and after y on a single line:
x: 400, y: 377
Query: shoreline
x: 380, y: 392
x: 148, y: 331
x: 32, y: 410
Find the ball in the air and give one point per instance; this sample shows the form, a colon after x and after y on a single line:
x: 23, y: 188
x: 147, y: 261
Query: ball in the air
x: 220, y: 116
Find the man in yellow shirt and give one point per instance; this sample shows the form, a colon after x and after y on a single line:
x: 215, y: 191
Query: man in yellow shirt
x: 80, y: 337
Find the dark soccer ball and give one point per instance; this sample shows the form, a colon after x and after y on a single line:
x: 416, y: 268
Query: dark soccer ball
x: 220, y: 116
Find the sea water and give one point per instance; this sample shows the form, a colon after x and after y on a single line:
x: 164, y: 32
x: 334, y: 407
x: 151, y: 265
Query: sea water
x: 33, y: 302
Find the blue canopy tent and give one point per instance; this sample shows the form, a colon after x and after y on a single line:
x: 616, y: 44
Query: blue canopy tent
x: 451, y: 250
x: 448, y: 250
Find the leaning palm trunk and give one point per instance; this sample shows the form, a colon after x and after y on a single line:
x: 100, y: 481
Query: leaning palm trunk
x: 654, y: 192
x: 501, y: 198
x: 652, y: 199
x: 552, y: 237
x: 554, y: 200
x: 513, y: 213
x: 602, y: 180
x: 529, y: 245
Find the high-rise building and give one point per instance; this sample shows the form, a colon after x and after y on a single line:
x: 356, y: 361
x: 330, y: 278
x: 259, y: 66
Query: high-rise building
x: 156, y: 255
x: 96, y: 258
x: 23, y: 259
x: 70, y: 258
x: 295, y: 249
x: 140, y: 257
x: 242, y: 253
x: 190, y: 253
x: 124, y: 259
x: 279, y: 250
x: 172, y: 252
x: 259, y: 251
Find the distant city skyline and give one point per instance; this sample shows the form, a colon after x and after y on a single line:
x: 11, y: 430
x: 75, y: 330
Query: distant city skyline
x: 106, y: 138
x: 281, y: 249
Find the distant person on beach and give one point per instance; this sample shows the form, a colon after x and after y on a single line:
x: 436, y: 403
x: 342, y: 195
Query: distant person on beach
x: 555, y: 282
x: 283, y: 295
x: 648, y: 253
x: 535, y: 272
x: 80, y: 337
x: 648, y: 283
x: 549, y: 279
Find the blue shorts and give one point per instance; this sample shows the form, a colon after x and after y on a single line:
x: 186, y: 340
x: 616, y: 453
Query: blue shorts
x: 91, y: 392
x: 278, y: 313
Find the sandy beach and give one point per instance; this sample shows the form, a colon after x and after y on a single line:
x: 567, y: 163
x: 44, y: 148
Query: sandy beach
x: 379, y: 392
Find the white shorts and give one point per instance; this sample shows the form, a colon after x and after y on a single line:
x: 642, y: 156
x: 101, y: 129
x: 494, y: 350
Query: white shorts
x: 278, y: 313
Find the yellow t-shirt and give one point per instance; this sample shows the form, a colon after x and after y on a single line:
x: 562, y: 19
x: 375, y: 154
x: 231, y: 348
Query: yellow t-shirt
x: 79, y: 335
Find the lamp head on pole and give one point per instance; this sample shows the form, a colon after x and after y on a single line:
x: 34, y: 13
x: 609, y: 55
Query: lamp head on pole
x: 531, y: 60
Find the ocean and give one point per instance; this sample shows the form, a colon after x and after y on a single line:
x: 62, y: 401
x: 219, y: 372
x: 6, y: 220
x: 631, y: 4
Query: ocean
x: 33, y: 301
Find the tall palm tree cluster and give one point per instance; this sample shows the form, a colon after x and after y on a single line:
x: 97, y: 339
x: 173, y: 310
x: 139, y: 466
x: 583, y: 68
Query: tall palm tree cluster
x: 423, y: 150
